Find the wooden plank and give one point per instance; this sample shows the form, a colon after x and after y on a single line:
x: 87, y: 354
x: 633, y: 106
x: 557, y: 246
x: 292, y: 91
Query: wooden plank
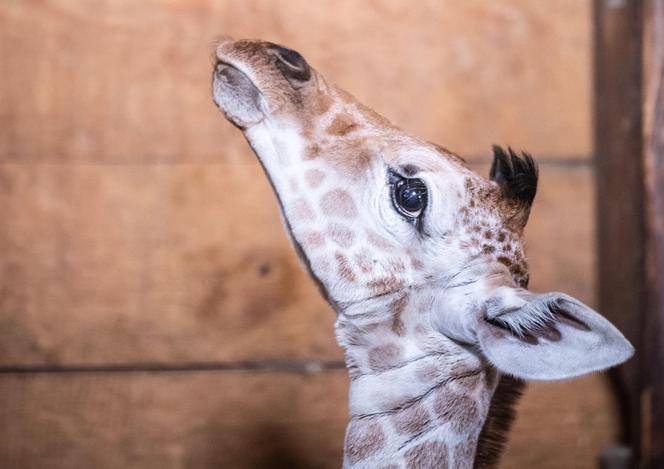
x: 241, y: 420
x: 620, y: 188
x: 123, y: 264
x: 166, y: 420
x: 124, y: 81
x: 563, y: 424
x: 652, y: 392
x: 181, y: 263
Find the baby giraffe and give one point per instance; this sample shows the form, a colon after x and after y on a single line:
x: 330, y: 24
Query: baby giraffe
x: 422, y: 260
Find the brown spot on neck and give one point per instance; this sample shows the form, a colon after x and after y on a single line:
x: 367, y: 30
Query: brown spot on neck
x: 362, y: 440
x: 384, y: 357
x: 459, y: 409
x: 411, y: 420
x: 431, y: 454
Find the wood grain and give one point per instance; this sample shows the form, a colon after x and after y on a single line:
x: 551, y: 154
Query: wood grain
x: 164, y: 421
x: 170, y: 264
x: 620, y: 188
x: 239, y: 420
x: 123, y: 81
x: 563, y: 425
x: 652, y: 392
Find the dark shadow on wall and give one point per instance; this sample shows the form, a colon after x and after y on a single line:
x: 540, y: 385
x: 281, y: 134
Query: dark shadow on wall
x: 267, y: 445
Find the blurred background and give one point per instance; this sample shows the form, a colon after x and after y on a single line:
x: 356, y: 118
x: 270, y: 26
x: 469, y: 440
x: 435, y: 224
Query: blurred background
x: 152, y: 312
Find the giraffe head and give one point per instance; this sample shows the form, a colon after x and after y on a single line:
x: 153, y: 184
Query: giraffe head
x: 374, y: 212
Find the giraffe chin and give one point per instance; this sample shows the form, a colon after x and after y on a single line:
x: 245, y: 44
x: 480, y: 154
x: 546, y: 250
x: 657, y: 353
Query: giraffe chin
x: 236, y: 96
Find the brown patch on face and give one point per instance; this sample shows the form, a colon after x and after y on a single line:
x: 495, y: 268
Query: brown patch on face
x: 344, y: 268
x: 338, y: 203
x: 342, y: 124
x: 303, y: 211
x: 340, y: 235
x: 313, y: 240
x: 379, y: 242
x: 384, y: 285
x: 411, y: 420
x: 350, y: 157
x: 364, y: 262
x: 488, y: 234
x: 460, y: 410
x: 384, y: 356
x: 429, y: 455
x: 314, y: 177
x: 398, y: 306
x: 362, y: 440
x: 488, y: 249
x: 312, y: 151
x: 321, y: 103
x: 504, y: 260
x: 501, y: 236
x: 516, y: 269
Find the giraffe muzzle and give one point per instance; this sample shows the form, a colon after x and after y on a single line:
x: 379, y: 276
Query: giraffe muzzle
x: 236, y: 95
x: 255, y: 79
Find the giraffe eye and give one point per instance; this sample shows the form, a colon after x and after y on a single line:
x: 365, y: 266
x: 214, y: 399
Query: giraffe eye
x: 409, y: 196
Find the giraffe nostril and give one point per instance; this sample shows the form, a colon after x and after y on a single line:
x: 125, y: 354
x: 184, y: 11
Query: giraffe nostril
x: 291, y: 63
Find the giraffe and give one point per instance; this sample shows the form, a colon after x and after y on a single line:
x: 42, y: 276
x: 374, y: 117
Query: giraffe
x: 422, y: 260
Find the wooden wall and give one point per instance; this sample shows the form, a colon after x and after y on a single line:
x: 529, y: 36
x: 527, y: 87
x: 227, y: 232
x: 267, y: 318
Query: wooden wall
x: 152, y: 312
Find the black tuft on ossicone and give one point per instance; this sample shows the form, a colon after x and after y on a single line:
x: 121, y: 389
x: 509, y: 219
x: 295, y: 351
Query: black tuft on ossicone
x: 517, y: 176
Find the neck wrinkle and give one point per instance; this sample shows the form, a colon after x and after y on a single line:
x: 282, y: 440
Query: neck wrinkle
x: 413, y: 397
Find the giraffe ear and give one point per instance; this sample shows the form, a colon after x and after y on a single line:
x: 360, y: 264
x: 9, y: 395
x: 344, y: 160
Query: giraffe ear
x: 517, y: 178
x: 547, y: 336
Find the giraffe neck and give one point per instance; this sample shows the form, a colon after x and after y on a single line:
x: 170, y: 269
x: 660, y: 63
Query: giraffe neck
x: 417, y: 399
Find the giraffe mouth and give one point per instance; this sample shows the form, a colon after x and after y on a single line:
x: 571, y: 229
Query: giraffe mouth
x: 236, y: 95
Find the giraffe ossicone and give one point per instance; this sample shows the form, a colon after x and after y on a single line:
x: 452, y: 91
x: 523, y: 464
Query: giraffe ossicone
x: 421, y: 258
